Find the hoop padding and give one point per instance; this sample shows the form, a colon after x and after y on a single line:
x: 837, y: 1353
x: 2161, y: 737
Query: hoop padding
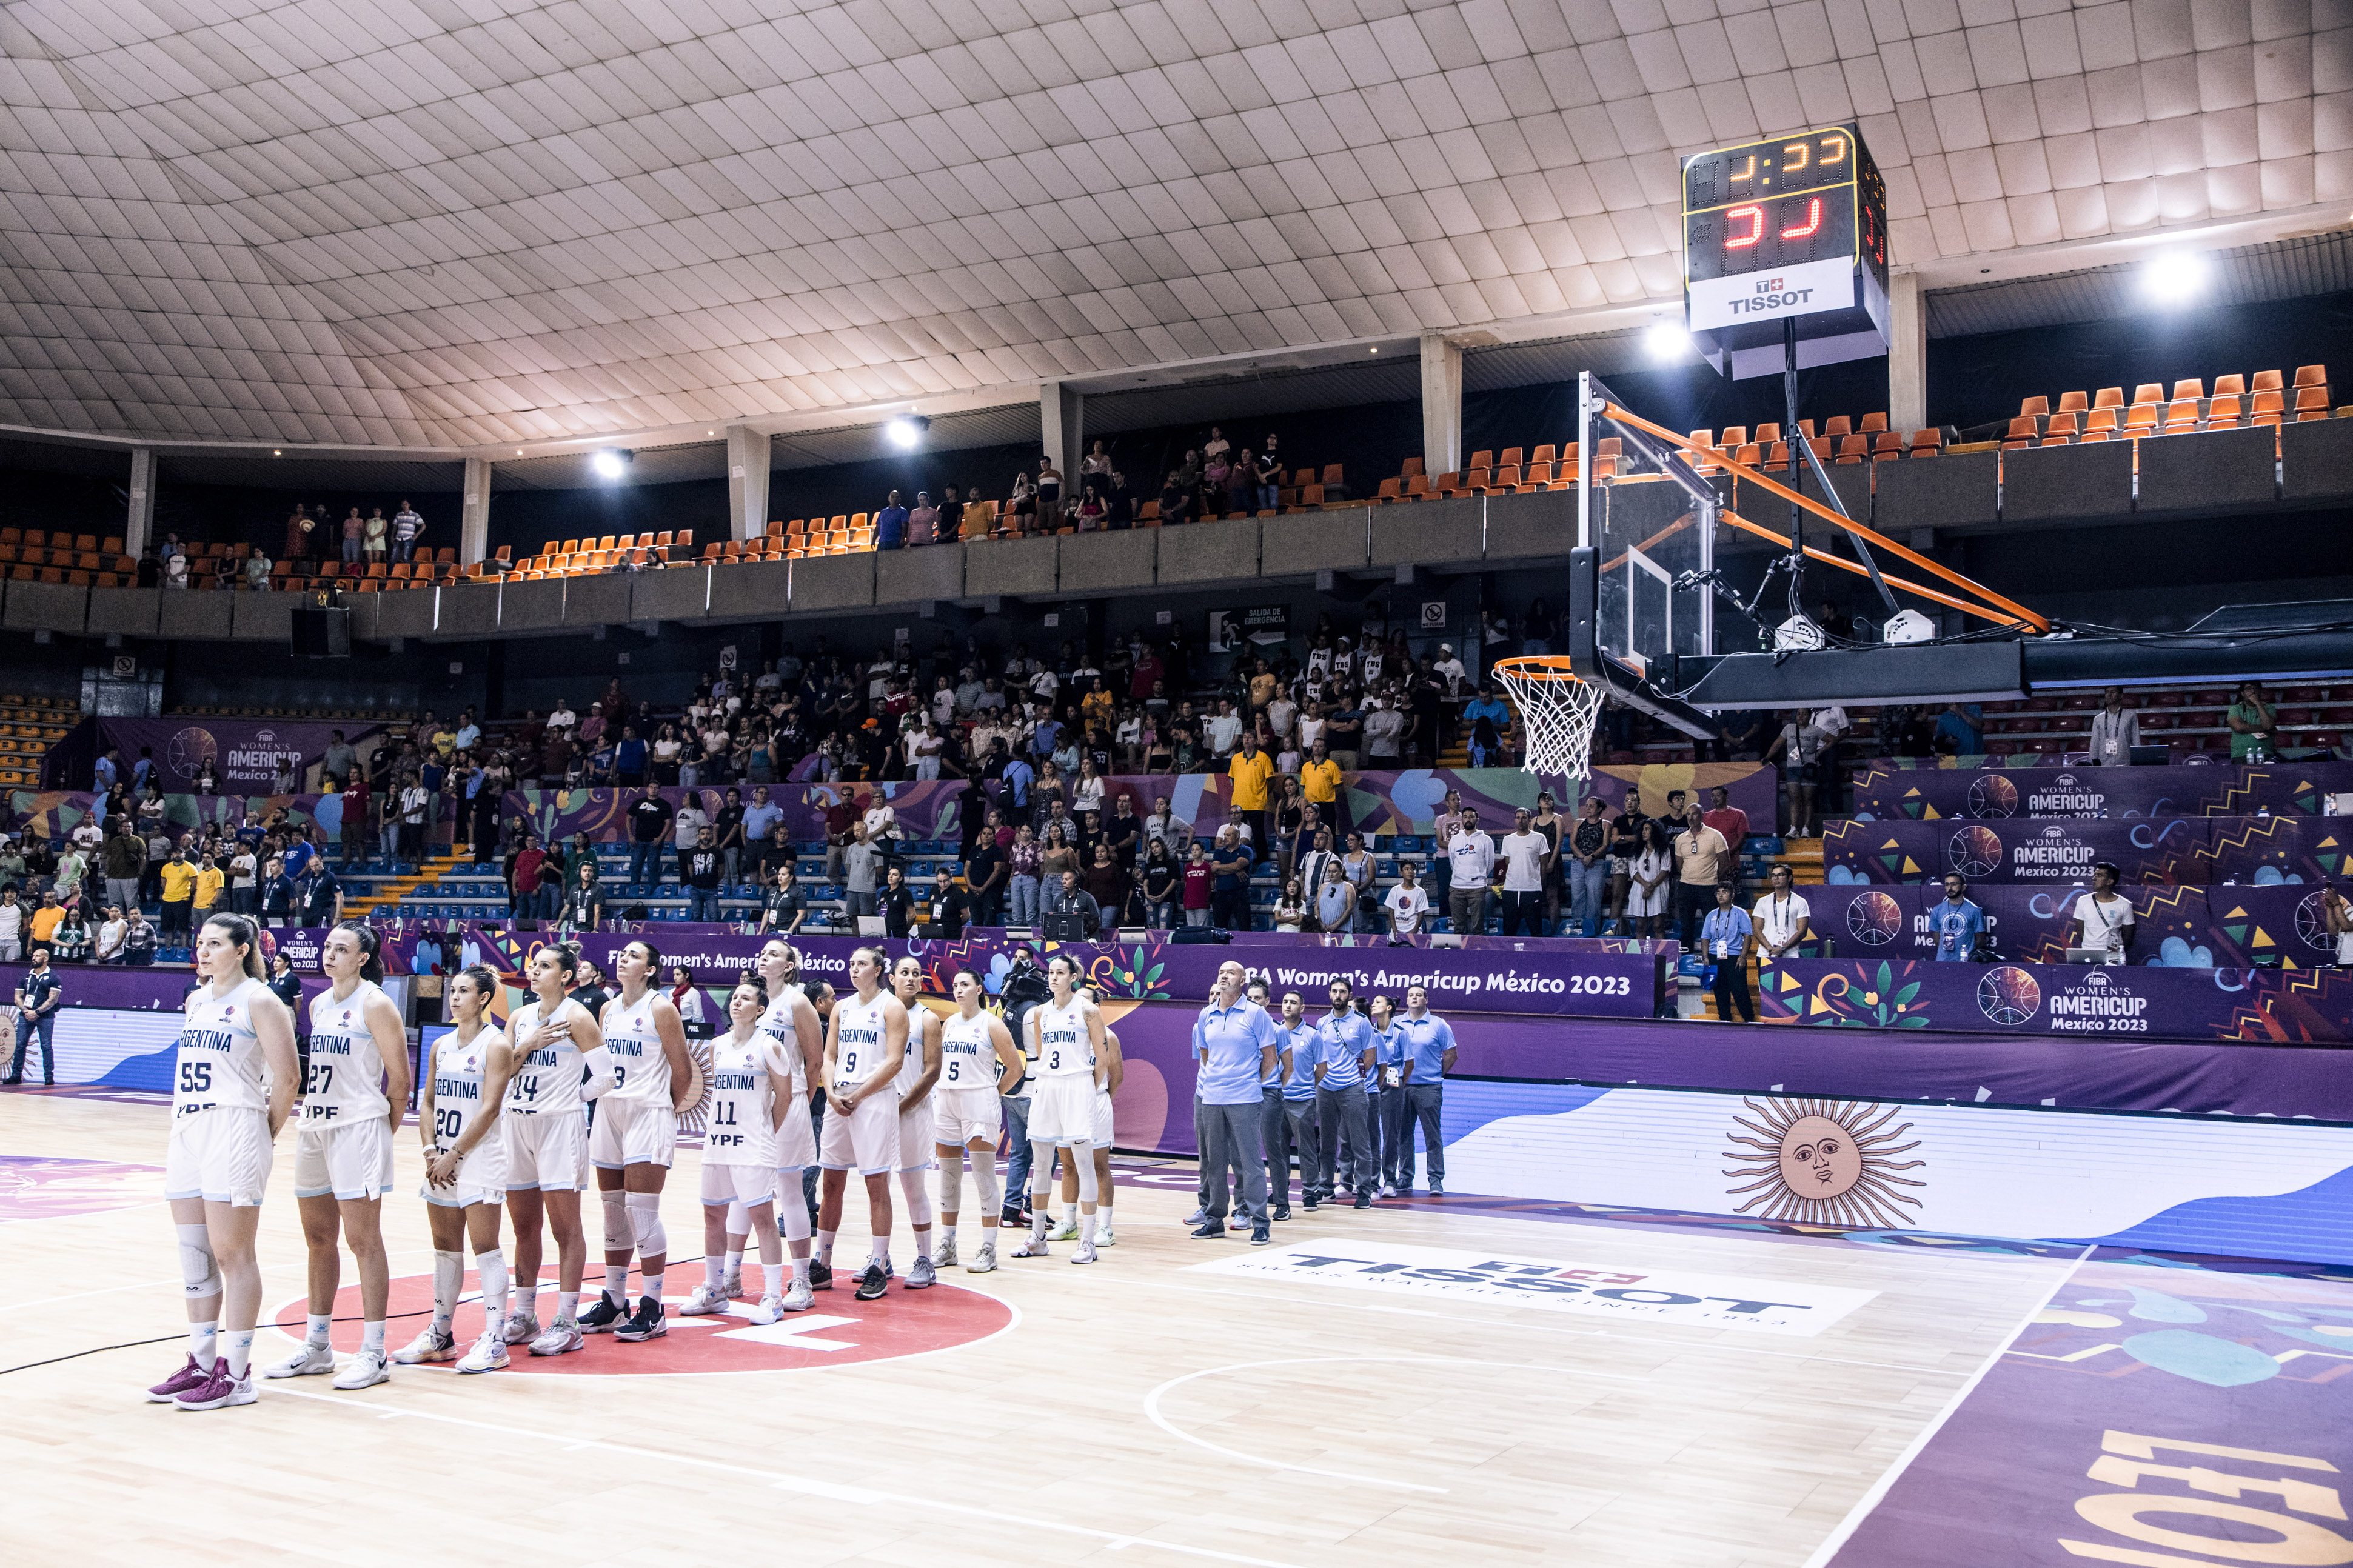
x: 1557, y: 709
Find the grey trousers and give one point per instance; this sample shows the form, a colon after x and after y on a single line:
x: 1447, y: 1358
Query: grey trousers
x: 1232, y: 1137
x: 1342, y: 1113
x: 1306, y: 1136
x: 1214, y: 1178
x: 1423, y: 1102
x: 1395, y: 1109
x: 1274, y: 1136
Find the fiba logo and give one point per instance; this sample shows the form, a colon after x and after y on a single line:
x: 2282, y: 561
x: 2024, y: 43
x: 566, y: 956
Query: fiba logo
x: 1874, y: 919
x: 265, y: 737
x: 1975, y: 852
x: 2312, y: 923
x: 2067, y: 781
x: 1993, y: 795
x: 2007, y: 996
x: 2097, y: 979
x: 2054, y: 832
x: 189, y: 750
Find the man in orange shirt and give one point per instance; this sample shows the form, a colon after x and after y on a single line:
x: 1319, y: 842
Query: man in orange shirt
x: 1321, y: 777
x: 1249, y: 770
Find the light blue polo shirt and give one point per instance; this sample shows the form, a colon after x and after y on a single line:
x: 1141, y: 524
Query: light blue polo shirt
x: 1226, y: 1042
x: 1343, y: 1043
x: 1305, y: 1048
x: 1425, y: 1039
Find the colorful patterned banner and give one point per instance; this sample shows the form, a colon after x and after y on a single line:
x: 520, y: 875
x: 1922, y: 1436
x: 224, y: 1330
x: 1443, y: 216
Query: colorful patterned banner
x: 2179, y: 927
x: 1886, y: 790
x: 2257, y: 851
x: 244, y: 751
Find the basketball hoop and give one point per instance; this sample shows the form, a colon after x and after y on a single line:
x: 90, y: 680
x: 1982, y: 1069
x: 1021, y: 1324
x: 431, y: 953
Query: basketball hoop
x: 1557, y: 709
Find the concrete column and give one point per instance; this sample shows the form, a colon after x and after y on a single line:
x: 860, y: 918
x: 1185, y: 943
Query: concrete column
x: 474, y: 520
x: 1441, y: 404
x: 1061, y: 434
x: 1907, y: 354
x: 139, y: 522
x: 747, y: 483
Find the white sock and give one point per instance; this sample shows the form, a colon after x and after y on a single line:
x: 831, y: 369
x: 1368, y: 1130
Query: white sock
x: 923, y: 1241
x: 238, y: 1350
x: 1071, y: 1214
x: 371, y: 1336
x: 204, y: 1342
x: 491, y: 1266
x: 713, y: 1274
x: 448, y: 1279
x: 1040, y: 1216
x: 1087, y: 1229
x: 734, y: 1264
x: 774, y: 1273
x: 801, y: 1270
x: 524, y: 1299
x: 654, y: 1288
x: 567, y: 1306
x: 879, y: 1253
x: 1103, y: 1218
x: 617, y: 1281
x: 825, y: 1247
x: 318, y: 1324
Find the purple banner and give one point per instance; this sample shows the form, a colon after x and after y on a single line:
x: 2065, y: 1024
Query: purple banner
x: 2191, y: 927
x: 246, y: 752
x: 2259, y: 850
x: 2120, y: 1002
x: 1887, y: 791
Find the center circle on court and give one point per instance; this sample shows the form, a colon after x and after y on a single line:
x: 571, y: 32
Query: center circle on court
x: 836, y: 1332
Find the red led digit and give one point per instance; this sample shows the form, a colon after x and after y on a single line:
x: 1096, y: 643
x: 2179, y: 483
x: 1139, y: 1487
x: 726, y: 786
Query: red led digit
x: 1813, y: 221
x: 1755, y: 217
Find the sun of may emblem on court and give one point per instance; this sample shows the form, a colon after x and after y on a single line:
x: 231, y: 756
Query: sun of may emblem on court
x: 1824, y: 1161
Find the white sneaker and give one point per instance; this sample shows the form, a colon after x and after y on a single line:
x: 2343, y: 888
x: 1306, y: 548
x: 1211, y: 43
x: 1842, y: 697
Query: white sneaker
x: 1103, y: 1238
x: 983, y: 1262
x: 798, y: 1296
x: 1085, y: 1254
x: 733, y: 1286
x: 562, y: 1338
x: 433, y: 1345
x: 366, y: 1370
x: 1065, y: 1229
x: 922, y: 1274
x: 519, y: 1329
x: 488, y: 1354
x: 944, y: 1256
x: 310, y: 1361
x: 1389, y: 1192
x: 706, y: 1300
x: 770, y: 1309
x: 1034, y: 1247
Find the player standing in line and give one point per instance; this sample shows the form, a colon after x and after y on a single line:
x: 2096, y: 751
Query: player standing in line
x: 867, y: 1045
x: 919, y: 1073
x: 792, y: 1025
x: 634, y: 1138
x: 465, y: 1172
x: 560, y: 1064
x: 751, y: 1090
x: 979, y: 1065
x: 233, y: 1086
x: 1295, y: 1050
x: 1388, y: 1071
x: 354, y: 1092
x: 1067, y: 1034
x: 1101, y: 1141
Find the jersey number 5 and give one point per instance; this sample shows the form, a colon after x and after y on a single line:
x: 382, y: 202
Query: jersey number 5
x: 195, y: 1076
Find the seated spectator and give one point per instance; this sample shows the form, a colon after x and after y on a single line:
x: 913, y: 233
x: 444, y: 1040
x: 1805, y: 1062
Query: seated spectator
x: 1175, y: 500
x: 257, y: 571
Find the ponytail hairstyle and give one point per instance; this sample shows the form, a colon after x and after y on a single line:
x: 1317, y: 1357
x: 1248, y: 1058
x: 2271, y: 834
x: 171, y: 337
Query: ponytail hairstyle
x: 567, y: 960
x: 485, y: 984
x: 653, y: 959
x: 372, y: 958
x: 243, y: 932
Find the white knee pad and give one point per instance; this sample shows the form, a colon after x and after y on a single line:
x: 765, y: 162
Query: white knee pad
x: 739, y: 1218
x: 792, y: 1211
x: 1082, y: 1161
x: 919, y: 1198
x: 620, y: 1235
x: 984, y: 1181
x: 646, y: 1223
x: 199, y: 1275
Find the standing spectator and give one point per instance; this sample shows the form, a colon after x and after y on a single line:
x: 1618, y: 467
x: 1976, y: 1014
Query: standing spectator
x: 179, y: 888
x: 686, y: 826
x: 407, y: 528
x: 1232, y: 866
x: 650, y: 820
x: 1956, y: 921
x: 1161, y: 887
x: 243, y: 879
x: 376, y: 540
x: 277, y: 893
x: 1108, y: 883
x: 111, y: 933
x: 45, y: 922
x: 859, y: 866
x: 1344, y: 1056
x: 584, y: 903
x: 727, y: 834
x: 1201, y: 883
x: 1700, y: 854
x: 701, y: 869
x: 11, y: 925
x: 39, y: 996
x: 297, y: 533
x: 890, y: 524
x: 1781, y: 918
x: 924, y: 521
x: 322, y: 893
x: 1407, y: 903
x: 1724, y: 937
x: 1731, y: 822
x: 523, y: 880
x: 355, y: 530
x: 782, y: 906
x: 1523, y: 858
x: 1587, y: 864
x: 1800, y: 747
x: 761, y: 818
x: 2102, y: 918
x: 415, y: 803
x: 1249, y: 770
x: 1470, y: 867
x: 122, y: 857
x: 2255, y: 725
x: 1336, y: 899
x: 355, y: 818
x: 1234, y: 1044
x: 1651, y: 903
x: 2115, y: 731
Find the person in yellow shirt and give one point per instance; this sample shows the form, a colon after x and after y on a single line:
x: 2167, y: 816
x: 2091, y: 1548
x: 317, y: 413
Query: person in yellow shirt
x: 1320, y: 777
x: 46, y: 918
x: 179, y: 887
x: 210, y: 881
x: 1249, y: 770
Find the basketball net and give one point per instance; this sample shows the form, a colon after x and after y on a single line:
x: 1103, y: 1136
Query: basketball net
x: 1557, y: 709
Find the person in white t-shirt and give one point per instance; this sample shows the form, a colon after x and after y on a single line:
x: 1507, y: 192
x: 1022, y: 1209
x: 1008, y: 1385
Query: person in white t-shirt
x: 1449, y: 670
x: 2102, y: 918
x: 1524, y: 852
x: 1407, y: 904
x: 1781, y: 918
x: 1470, y: 867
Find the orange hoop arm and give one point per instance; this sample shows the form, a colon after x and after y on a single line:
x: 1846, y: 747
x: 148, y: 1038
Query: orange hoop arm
x: 1859, y: 569
x: 2018, y: 613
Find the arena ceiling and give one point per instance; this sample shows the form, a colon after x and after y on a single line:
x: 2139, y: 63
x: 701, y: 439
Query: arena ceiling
x: 474, y: 224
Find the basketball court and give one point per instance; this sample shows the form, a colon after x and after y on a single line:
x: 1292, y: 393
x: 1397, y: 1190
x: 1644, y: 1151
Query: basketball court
x: 1478, y: 1380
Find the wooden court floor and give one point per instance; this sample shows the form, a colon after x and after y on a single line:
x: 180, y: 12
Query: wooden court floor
x: 1359, y: 1394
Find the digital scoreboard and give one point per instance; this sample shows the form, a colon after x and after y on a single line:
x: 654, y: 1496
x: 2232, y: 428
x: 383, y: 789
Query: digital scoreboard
x: 1792, y: 228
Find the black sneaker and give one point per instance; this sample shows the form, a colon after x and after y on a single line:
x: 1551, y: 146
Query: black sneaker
x: 1364, y: 1200
x: 1437, y: 1189
x: 872, y: 1284
x: 1261, y: 1234
x: 1308, y: 1202
x: 1210, y: 1230
x: 1283, y: 1211
x: 649, y: 1324
x: 605, y: 1315
x: 821, y: 1276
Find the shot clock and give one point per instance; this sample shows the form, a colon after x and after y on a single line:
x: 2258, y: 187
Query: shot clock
x: 1791, y: 228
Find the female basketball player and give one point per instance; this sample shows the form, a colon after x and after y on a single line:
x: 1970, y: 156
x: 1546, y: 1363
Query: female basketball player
x: 560, y: 1062
x: 919, y: 1072
x: 633, y: 1139
x: 751, y: 1090
x: 1101, y: 1141
x: 465, y: 1172
x: 863, y: 1052
x: 979, y: 1063
x: 233, y: 1088
x: 354, y: 1092
x: 790, y: 1025
x: 1067, y: 1036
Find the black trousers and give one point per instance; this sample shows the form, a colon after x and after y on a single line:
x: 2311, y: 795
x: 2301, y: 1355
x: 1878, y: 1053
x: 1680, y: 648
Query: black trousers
x: 1732, y: 990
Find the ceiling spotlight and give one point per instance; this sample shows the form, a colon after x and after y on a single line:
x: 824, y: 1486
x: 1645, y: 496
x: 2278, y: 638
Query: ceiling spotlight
x: 275, y: 453
x: 1374, y: 350
x: 1666, y: 341
x: 2173, y: 278
x: 907, y: 430
x: 611, y: 463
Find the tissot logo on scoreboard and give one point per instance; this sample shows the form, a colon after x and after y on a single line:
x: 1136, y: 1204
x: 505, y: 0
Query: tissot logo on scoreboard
x: 1803, y: 289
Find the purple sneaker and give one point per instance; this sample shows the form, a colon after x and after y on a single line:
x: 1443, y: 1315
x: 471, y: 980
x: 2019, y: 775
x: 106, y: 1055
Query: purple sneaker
x: 219, y: 1390
x: 179, y: 1383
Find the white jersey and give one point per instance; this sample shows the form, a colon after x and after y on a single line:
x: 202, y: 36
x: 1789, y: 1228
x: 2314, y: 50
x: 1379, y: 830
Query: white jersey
x: 546, y: 1079
x: 777, y: 1025
x: 858, y: 1026
x: 220, y: 1066
x: 343, y: 1076
x: 1064, y: 1047
x: 967, y: 1056
x: 457, y: 1070
x: 741, y: 1127
x: 641, y: 1065
x: 910, y: 1062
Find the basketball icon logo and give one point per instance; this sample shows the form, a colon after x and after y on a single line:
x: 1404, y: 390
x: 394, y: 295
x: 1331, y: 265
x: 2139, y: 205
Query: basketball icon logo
x: 1975, y: 851
x: 1874, y: 918
x: 2007, y: 996
x: 1993, y: 795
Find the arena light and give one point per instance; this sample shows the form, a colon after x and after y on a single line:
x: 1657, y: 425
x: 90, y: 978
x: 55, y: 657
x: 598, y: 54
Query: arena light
x: 906, y: 432
x: 611, y: 463
x: 2172, y: 279
x: 1667, y: 342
